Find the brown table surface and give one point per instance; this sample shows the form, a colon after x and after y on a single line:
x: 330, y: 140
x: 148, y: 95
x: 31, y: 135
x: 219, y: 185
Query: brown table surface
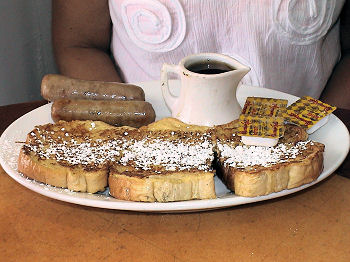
x: 311, y: 225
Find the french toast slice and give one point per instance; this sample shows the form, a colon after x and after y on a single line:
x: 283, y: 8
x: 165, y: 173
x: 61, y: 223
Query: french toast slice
x: 164, y: 165
x: 74, y: 155
x: 50, y: 172
x: 255, y: 170
x: 165, y: 161
x: 146, y: 186
x: 80, y: 155
x: 173, y: 124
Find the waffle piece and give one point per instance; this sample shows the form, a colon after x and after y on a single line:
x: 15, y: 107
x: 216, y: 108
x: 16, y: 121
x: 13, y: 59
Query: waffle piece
x: 164, y: 166
x: 256, y: 170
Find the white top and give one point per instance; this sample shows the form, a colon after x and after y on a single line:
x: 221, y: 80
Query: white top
x: 290, y: 45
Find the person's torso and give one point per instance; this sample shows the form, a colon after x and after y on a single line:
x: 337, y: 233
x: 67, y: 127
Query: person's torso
x: 290, y: 45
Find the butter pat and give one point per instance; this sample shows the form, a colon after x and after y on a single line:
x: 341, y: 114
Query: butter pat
x: 260, y: 130
x: 263, y: 106
x: 261, y: 122
x: 259, y: 141
x: 318, y: 125
x: 309, y: 113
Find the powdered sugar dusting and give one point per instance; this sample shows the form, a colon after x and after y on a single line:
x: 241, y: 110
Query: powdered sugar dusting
x: 10, y: 147
x: 248, y: 156
x: 168, y: 152
x: 75, y: 153
x: 172, y: 155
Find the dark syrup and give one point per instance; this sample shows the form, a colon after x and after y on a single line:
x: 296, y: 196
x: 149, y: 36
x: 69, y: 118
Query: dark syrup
x: 209, y: 68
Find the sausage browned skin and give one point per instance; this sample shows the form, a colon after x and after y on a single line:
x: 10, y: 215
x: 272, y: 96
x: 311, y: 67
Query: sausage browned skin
x: 55, y: 87
x: 118, y: 113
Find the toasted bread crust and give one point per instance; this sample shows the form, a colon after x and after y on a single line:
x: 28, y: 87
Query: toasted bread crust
x: 52, y: 173
x: 162, y: 188
x: 267, y: 180
x: 173, y: 124
x: 151, y: 183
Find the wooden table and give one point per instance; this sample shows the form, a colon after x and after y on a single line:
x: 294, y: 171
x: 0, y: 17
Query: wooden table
x: 311, y: 225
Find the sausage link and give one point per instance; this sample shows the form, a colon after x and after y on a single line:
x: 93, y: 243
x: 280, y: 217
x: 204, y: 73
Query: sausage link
x: 118, y: 113
x: 55, y: 87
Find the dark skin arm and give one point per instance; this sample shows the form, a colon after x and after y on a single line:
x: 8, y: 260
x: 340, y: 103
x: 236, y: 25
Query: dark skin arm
x: 81, y: 32
x: 337, y: 91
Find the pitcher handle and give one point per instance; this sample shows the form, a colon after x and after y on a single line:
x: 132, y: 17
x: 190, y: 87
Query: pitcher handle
x: 169, y: 98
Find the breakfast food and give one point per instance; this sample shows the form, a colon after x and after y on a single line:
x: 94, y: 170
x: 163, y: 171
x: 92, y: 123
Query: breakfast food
x: 283, y: 158
x: 117, y: 104
x: 166, y: 160
x: 118, y: 113
x: 261, y: 122
x: 260, y: 130
x: 143, y: 165
x: 54, y: 87
x: 173, y: 124
x: 69, y: 155
x: 105, y: 135
x: 309, y: 113
x: 173, y: 163
x: 259, y: 170
x: 164, y: 166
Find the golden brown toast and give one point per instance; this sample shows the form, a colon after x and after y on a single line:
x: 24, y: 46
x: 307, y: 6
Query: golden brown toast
x: 173, y: 124
x: 71, y: 154
x: 148, y: 186
x: 255, y: 170
x: 165, y: 161
x: 164, y: 165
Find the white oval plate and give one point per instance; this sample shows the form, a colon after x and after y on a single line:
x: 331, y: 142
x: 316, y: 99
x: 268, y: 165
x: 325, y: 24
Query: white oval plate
x: 334, y: 135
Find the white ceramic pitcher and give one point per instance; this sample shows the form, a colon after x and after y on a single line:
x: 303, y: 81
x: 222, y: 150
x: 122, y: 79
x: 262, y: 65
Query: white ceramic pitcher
x: 205, y: 99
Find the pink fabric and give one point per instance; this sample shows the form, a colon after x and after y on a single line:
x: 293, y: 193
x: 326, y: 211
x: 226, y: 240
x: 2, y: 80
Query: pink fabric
x: 290, y: 45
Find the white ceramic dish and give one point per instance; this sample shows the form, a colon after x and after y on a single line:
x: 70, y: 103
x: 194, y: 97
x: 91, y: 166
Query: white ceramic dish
x: 334, y: 135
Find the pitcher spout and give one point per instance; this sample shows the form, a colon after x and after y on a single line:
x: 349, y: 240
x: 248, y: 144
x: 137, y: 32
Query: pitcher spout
x: 237, y: 74
x: 241, y: 72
